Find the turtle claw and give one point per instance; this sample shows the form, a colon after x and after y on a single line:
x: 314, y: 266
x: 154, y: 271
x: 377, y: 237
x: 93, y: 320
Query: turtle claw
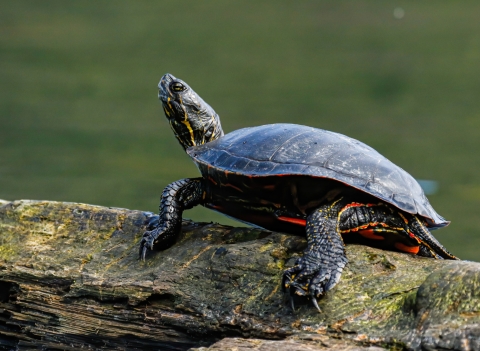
x: 315, y: 303
x: 143, y: 253
x: 146, y: 243
x: 159, y: 237
x: 312, y: 278
x: 292, y: 304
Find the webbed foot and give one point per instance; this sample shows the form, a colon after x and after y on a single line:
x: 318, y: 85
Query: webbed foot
x: 147, y: 242
x: 313, y: 276
x: 164, y: 228
x: 151, y: 222
x: 161, y: 236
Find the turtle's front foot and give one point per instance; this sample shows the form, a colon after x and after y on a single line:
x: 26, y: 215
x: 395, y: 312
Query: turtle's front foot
x: 313, y: 275
x: 151, y: 223
x: 164, y: 228
x: 162, y: 235
x: 147, y: 242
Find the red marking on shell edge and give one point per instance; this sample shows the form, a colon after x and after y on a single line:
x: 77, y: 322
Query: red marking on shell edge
x: 293, y: 174
x: 410, y: 249
x: 370, y: 234
x: 297, y: 221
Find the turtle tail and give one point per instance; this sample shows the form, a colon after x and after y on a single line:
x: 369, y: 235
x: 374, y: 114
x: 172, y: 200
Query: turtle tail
x: 429, y: 246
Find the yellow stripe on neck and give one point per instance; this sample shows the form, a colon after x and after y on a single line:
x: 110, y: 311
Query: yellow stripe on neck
x: 187, y: 123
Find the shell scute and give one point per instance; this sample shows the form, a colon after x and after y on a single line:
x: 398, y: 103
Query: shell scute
x: 289, y: 149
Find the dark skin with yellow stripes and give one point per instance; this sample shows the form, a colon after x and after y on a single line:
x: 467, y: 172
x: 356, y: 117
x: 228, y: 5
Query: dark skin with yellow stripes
x: 286, y: 177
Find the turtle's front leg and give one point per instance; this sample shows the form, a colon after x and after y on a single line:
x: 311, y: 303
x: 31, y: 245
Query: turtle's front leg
x: 323, y: 261
x: 176, y: 197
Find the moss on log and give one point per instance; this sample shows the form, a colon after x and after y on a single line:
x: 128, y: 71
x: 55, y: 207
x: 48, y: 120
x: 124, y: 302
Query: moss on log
x: 70, y: 278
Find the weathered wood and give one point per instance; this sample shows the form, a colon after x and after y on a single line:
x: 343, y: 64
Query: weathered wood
x: 70, y: 278
x: 307, y: 343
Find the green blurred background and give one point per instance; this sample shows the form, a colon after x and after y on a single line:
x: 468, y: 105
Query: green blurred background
x: 80, y: 120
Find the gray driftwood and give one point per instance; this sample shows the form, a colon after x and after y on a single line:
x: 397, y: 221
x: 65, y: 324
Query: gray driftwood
x: 70, y: 278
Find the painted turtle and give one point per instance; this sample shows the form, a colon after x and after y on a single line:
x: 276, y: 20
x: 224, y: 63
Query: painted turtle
x: 295, y: 179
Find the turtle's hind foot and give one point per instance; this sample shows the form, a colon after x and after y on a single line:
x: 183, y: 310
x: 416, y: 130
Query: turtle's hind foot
x: 312, y: 278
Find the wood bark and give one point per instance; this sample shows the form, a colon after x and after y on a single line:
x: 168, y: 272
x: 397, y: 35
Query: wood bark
x: 70, y: 278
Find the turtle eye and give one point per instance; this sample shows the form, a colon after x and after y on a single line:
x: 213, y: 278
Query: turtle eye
x: 177, y: 87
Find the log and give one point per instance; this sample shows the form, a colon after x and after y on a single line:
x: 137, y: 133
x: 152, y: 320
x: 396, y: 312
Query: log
x: 70, y: 278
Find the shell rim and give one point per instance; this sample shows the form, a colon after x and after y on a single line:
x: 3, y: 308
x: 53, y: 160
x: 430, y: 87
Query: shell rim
x: 430, y: 222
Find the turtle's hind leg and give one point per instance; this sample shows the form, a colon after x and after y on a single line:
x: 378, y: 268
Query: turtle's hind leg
x: 176, y: 197
x: 323, y: 261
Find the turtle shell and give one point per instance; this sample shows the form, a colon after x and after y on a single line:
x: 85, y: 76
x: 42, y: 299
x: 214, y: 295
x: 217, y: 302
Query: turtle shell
x: 290, y: 149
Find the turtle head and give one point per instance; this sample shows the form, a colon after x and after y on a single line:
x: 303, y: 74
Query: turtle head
x: 193, y: 121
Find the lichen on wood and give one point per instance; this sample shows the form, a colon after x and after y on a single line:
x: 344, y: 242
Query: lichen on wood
x: 70, y: 278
